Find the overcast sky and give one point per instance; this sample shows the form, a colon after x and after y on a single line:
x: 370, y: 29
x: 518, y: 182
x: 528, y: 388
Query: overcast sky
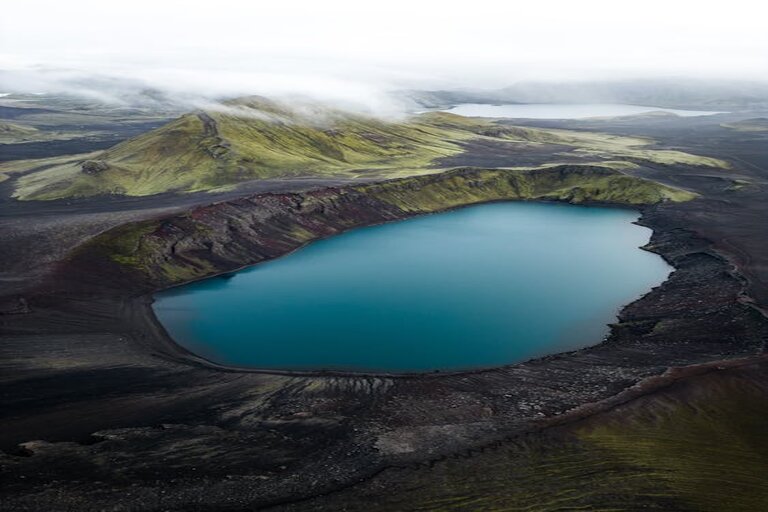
x: 350, y: 48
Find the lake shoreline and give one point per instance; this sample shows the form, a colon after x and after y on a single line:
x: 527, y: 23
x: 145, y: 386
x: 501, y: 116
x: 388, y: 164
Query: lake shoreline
x: 491, y: 243
x: 144, y: 313
x: 148, y: 287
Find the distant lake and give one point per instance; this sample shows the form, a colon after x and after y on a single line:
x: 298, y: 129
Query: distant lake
x: 476, y: 287
x: 564, y: 111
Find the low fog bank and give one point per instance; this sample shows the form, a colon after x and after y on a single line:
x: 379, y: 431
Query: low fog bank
x: 668, y: 93
x: 387, y: 58
x: 181, y: 91
x: 176, y: 90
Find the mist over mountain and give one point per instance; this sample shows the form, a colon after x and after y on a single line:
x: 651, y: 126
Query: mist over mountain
x: 114, y: 94
x: 158, y: 55
x: 670, y: 93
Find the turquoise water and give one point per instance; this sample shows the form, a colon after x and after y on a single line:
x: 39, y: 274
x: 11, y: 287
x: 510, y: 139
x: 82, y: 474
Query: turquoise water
x: 565, y: 111
x: 481, y: 286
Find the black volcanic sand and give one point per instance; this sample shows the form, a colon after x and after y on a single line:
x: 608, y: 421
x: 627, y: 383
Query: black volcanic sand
x: 491, y: 153
x: 106, y: 136
x: 101, y: 411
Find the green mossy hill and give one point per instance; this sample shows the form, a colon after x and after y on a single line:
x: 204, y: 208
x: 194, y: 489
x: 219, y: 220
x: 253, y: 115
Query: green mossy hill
x: 247, y: 140
x: 254, y: 138
x: 12, y: 132
x: 225, y: 236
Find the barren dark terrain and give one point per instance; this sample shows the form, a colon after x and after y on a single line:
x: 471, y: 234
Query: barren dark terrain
x: 102, y: 411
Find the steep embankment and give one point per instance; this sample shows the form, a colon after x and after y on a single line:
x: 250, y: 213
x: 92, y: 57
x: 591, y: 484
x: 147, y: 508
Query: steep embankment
x: 253, y: 138
x: 154, y: 254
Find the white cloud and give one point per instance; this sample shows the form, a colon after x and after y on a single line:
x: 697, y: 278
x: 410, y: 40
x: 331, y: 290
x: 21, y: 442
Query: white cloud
x: 351, y: 50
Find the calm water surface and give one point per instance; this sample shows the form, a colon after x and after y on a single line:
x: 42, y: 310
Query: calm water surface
x: 482, y: 286
x: 565, y: 111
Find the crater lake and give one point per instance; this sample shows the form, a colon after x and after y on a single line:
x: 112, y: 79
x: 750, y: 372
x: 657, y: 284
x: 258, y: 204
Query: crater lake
x: 481, y: 286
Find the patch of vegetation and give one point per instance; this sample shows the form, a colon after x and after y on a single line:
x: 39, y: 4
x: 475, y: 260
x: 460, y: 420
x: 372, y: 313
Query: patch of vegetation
x: 14, y: 166
x: 610, y: 146
x: 12, y: 132
x: 757, y: 124
x: 125, y: 244
x: 710, y: 451
x: 15, y: 133
x: 574, y: 184
x: 738, y: 185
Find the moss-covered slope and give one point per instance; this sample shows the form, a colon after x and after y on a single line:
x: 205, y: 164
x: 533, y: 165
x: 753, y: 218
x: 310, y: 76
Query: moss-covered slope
x: 603, y: 145
x: 245, y: 141
x: 12, y: 132
x: 225, y: 236
x: 254, y: 138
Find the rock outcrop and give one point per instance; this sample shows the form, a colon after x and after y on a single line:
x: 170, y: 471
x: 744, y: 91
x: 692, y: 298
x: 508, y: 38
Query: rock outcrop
x: 94, y: 167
